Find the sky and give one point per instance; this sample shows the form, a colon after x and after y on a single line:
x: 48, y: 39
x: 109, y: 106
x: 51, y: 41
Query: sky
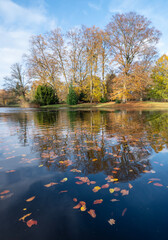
x: 20, y: 19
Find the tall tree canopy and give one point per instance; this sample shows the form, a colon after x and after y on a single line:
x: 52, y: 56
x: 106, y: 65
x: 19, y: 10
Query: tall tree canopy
x: 132, y: 44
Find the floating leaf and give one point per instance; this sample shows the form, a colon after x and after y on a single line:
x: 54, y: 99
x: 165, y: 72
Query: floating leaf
x: 98, y: 201
x: 130, y: 185
x: 105, y: 185
x: 77, y: 206
x: 83, y: 208
x: 96, y: 189
x: 111, y: 190
x: 64, y: 191
x: 64, y: 180
x: 116, y: 189
x: 31, y: 222
x: 25, y: 216
x: 111, y: 221
x: 75, y: 170
x: 124, y: 211
x: 4, y: 192
x: 50, y: 184
x: 75, y: 199
x: 30, y: 199
x: 114, y: 200
x: 92, y: 213
x: 158, y: 184
x: 124, y: 192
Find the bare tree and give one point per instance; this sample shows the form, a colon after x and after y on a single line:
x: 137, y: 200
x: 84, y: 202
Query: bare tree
x: 16, y: 82
x: 132, y: 41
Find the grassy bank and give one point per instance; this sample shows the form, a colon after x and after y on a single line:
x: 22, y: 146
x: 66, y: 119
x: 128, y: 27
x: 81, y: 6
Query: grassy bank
x: 112, y: 105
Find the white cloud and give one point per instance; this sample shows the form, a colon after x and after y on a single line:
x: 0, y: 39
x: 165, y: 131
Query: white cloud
x: 17, y: 24
x: 94, y: 6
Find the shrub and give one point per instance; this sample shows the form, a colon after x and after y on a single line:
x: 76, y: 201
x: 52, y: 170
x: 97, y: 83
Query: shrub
x: 117, y: 101
x: 72, y: 98
x: 103, y: 100
x: 45, y: 95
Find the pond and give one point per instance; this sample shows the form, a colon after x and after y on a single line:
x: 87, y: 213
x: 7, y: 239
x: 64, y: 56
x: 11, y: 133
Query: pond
x: 83, y: 174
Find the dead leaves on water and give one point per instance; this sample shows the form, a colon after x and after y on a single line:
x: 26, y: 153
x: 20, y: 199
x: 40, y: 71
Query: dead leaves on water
x: 30, y: 199
x: 92, y: 213
x: 50, y: 184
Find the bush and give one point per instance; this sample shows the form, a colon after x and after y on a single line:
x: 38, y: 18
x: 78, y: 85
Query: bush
x: 117, y: 101
x: 72, y: 98
x: 45, y: 95
x: 103, y: 100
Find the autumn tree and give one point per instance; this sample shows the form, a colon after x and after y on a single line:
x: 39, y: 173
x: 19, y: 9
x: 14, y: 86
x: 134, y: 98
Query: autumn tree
x: 17, y: 82
x: 132, y: 43
x: 159, y: 90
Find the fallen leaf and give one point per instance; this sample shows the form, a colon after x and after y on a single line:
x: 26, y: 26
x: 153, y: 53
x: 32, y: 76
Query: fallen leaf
x: 77, y: 206
x: 130, y: 185
x: 114, y: 200
x: 111, y: 190
x: 75, y: 199
x: 83, y: 208
x: 124, y: 192
x: 4, y: 192
x: 30, y: 199
x: 116, y: 189
x: 95, y: 159
x: 105, y: 185
x: 50, y: 184
x: 25, y: 216
x: 124, y: 211
x: 31, y: 222
x: 158, y: 184
x: 64, y: 191
x: 111, y: 221
x: 98, y: 201
x: 92, y: 213
x: 96, y: 189
x: 64, y: 180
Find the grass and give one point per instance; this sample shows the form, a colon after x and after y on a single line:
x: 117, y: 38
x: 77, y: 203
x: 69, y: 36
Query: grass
x: 113, y: 105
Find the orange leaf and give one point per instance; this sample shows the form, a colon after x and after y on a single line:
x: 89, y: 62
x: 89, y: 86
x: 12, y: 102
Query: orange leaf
x: 124, y: 211
x: 4, y: 192
x: 77, y: 206
x: 31, y: 222
x: 158, y: 184
x: 92, y: 213
x: 30, y: 199
x: 50, y: 184
x: 105, y: 185
x: 25, y: 216
x: 111, y: 221
x: 98, y: 201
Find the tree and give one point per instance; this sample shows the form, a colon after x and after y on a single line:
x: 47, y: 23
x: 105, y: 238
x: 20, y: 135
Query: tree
x: 132, y: 43
x: 72, y: 98
x: 159, y: 90
x: 16, y: 83
x: 45, y: 95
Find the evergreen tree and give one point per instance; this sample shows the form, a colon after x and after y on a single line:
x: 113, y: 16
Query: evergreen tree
x: 45, y: 95
x: 72, y: 98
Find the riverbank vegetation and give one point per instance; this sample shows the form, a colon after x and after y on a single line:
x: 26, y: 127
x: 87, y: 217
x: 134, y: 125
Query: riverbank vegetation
x: 91, y: 65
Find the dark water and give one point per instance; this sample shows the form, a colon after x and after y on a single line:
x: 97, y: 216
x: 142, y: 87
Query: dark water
x: 42, y: 147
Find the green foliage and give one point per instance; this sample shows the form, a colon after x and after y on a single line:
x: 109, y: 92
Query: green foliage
x: 159, y: 90
x: 103, y: 100
x: 117, y: 101
x: 72, y: 98
x: 45, y: 95
x: 82, y: 96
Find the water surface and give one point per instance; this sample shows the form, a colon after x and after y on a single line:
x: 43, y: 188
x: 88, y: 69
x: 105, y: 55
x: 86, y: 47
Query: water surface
x: 80, y: 150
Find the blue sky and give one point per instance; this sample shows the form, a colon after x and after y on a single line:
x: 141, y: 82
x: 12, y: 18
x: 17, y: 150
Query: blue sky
x: 19, y: 19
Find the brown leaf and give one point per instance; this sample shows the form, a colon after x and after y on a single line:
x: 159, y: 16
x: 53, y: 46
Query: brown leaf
x: 4, y: 192
x: 50, y: 184
x: 30, y: 199
x: 98, y: 201
x: 114, y: 200
x: 105, y: 185
x: 111, y: 221
x: 31, y: 222
x: 124, y: 192
x: 92, y: 213
x: 77, y: 206
x: 75, y: 199
x: 124, y: 211
x: 25, y: 216
x: 158, y: 184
